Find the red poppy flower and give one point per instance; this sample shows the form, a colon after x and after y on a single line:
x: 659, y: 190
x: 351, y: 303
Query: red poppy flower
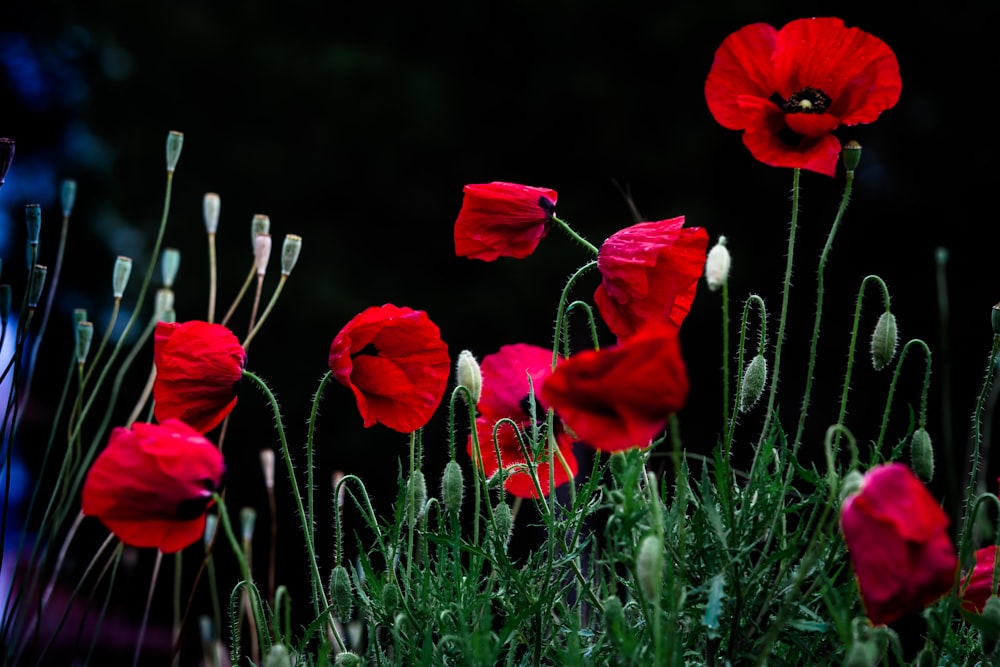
x: 502, y: 220
x: 649, y: 271
x: 621, y: 397
x: 977, y: 586
x: 789, y: 89
x: 395, y: 362
x: 152, y: 484
x: 505, y: 395
x: 897, y: 537
x: 198, y: 371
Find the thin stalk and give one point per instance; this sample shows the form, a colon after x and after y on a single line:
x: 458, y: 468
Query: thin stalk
x: 239, y: 296
x: 267, y: 310
x: 149, y: 604
x: 212, y: 277
x: 573, y: 235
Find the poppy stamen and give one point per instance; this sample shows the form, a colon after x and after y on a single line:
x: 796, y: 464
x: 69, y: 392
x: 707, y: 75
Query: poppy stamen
x: 807, y: 100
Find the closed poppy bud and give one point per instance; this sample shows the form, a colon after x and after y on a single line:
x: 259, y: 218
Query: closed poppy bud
x: 502, y: 220
x: 152, y: 484
x: 754, y: 379
x: 863, y: 653
x: 123, y: 269
x: 469, y: 376
x: 502, y: 526
x: 649, y: 567
x: 922, y: 455
x: 347, y: 659
x: 452, y: 487
x: 290, y: 250
x: 850, y: 485
x: 175, y: 141
x: 897, y: 538
x: 38, y: 274
x: 84, y: 338
x: 278, y: 656
x: 988, y: 631
x: 717, y: 265
x: 852, y: 155
x: 341, y: 593
x: 6, y: 157
x: 170, y: 264
x: 211, y: 205
x: 416, y: 496
x: 390, y: 598
x: 33, y: 220
x: 995, y: 319
x: 198, y: 371
x: 884, y: 341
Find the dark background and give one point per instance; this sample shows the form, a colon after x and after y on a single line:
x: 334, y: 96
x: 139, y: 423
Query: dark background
x: 356, y: 126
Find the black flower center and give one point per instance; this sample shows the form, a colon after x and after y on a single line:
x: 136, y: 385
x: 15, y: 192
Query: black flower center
x: 807, y: 100
x: 368, y: 350
x: 547, y: 205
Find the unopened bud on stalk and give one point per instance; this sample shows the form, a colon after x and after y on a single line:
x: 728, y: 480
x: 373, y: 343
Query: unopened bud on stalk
x: 341, y: 593
x: 614, y: 613
x: 248, y: 521
x: 123, y: 269
x: 84, y: 334
x: 67, y: 196
x: 390, y: 598
x: 649, y: 566
x: 987, y: 631
x: 290, y: 250
x: 175, y: 141
x: 6, y: 157
x: 79, y: 315
x: 170, y: 264
x: 5, y: 303
x: 347, y: 659
x: 995, y: 319
x: 210, y: 206
x: 754, y: 379
x: 884, y: 340
x: 469, y: 375
x: 862, y: 653
x: 717, y: 265
x: 261, y: 224
x: 416, y: 496
x: 452, y: 487
x: 922, y: 455
x: 169, y: 316
x: 164, y: 300
x: 502, y: 525
x: 338, y: 488
x: 262, y: 253
x: 851, y: 485
x: 33, y: 219
x: 278, y: 656
x: 211, y: 524
x: 851, y: 155
x: 267, y: 466
x: 38, y: 274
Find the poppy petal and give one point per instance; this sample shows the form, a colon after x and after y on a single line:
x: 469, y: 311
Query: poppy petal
x: 501, y: 219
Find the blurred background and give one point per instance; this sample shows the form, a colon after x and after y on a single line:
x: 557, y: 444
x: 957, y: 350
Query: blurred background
x: 356, y: 126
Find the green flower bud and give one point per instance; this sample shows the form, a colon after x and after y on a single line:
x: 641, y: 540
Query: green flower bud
x: 452, y: 487
x: 850, y: 485
x: 278, y: 656
x: 390, y: 598
x: 649, y: 567
x: 416, y: 496
x: 922, y: 455
x: 469, y: 375
x: 260, y: 224
x: 67, y: 196
x: 851, y: 155
x: 341, y: 593
x: 991, y: 617
x: 84, y: 332
x: 347, y: 659
x: 164, y: 301
x: 175, y: 141
x: 614, y: 613
x: 170, y: 264
x: 119, y: 279
x: 502, y: 526
x: 754, y: 379
x: 290, y: 250
x: 884, y: 341
x: 33, y: 219
x: 210, y: 207
x: 38, y: 274
x: 995, y: 319
x: 717, y: 265
x: 862, y: 653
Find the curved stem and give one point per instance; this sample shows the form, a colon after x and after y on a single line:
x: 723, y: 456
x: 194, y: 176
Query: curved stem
x: 573, y: 235
x: 922, y: 418
x: 561, y: 309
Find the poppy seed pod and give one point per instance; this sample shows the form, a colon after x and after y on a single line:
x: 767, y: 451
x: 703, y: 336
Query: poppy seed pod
x: 884, y: 341
x: 922, y: 455
x: 33, y: 220
x: 262, y: 253
x: 649, y: 567
x: 754, y: 379
x: 175, y: 141
x: 248, y: 522
x: 267, y: 467
x: 469, y: 375
x: 164, y: 301
x: 211, y: 205
x: 67, y: 196
x: 452, y: 487
x: 260, y: 224
x: 995, y: 319
x: 84, y: 337
x: 38, y: 274
x: 211, y: 524
x: 341, y: 593
x: 290, y: 250
x: 851, y: 155
x: 170, y: 264
x: 123, y: 269
x: 717, y: 265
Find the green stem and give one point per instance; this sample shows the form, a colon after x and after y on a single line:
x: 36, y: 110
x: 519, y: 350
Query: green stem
x: 573, y: 235
x: 922, y: 417
x: 977, y: 434
x: 561, y: 308
x: 725, y: 356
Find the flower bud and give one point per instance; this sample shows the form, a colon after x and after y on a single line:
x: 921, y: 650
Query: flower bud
x: 995, y: 319
x: 5, y: 303
x: 884, y: 340
x: 290, y: 250
x: 170, y: 264
x: 754, y: 379
x: 341, y: 593
x: 33, y: 219
x: 38, y: 274
x: 119, y: 279
x: 850, y: 485
x: 416, y: 496
x: 347, y: 659
x: 922, y: 455
x: 210, y: 206
x: 452, y: 487
x: 278, y: 656
x: 261, y: 224
x: 862, y: 653
x: 164, y: 301
x: 390, y: 598
x: 267, y: 466
x: 67, y: 196
x: 6, y: 157
x: 262, y: 253
x: 851, y: 155
x: 717, y: 265
x: 649, y: 567
x: 991, y: 620
x: 614, y: 613
x: 502, y: 526
x: 84, y: 334
x: 248, y: 520
x: 469, y: 376
x: 175, y: 141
